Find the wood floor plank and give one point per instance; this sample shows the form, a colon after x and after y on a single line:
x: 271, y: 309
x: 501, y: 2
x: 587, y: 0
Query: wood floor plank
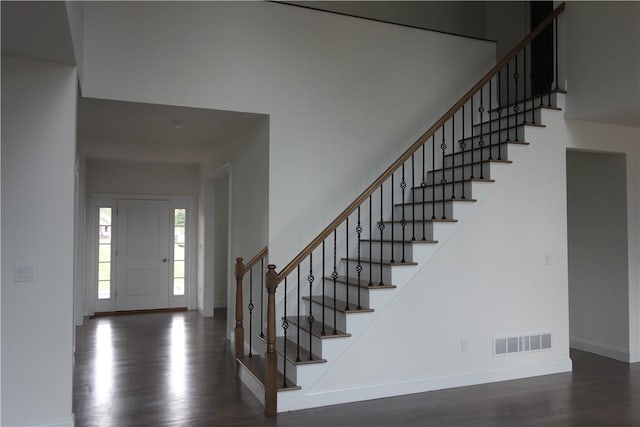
x: 176, y: 369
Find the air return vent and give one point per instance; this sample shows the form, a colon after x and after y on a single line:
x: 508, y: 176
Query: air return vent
x: 504, y: 346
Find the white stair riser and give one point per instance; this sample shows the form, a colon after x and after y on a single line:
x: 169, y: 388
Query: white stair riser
x: 503, y: 135
x: 438, y: 193
x: 495, y: 152
x: 437, y: 209
x: 480, y: 171
x: 535, y: 103
x: 340, y: 317
x: 511, y: 120
x: 408, y: 230
x: 367, y: 268
x: 388, y: 247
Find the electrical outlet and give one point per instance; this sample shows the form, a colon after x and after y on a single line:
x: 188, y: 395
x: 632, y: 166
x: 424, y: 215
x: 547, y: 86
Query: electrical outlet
x: 464, y: 345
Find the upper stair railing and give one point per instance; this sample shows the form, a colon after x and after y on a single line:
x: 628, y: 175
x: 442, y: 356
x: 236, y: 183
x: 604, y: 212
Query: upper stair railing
x: 401, y: 205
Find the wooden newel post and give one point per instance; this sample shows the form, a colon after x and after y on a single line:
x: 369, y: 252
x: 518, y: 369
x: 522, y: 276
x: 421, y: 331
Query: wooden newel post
x: 271, y: 368
x: 239, y: 330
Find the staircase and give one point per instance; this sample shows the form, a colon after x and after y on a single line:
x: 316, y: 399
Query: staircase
x: 321, y: 303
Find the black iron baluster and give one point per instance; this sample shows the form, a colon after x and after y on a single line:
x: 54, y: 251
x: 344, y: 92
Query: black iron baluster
x: 285, y: 326
x: 310, y: 318
x: 413, y: 202
x: 359, y: 266
x: 403, y: 223
x: 508, y: 101
x: 472, y: 136
x: 453, y: 157
x: 423, y: 184
x: 262, y: 287
x: 381, y: 228
x: 250, y: 307
x: 299, y: 323
x: 499, y: 111
x: 516, y: 107
x: 346, y: 232
x: 371, y: 238
x: 334, y: 276
x: 555, y: 34
x: 490, y: 121
x: 481, y: 142
x: 323, y: 294
x: 393, y: 208
x: 524, y: 84
x: 463, y: 145
x: 443, y: 181
x: 433, y: 176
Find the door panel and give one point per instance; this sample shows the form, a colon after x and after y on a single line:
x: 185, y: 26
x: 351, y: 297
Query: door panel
x: 143, y: 231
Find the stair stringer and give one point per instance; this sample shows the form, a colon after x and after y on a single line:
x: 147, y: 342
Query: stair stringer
x: 350, y: 374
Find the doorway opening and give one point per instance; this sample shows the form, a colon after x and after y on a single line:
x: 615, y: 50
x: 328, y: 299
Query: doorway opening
x: 142, y: 254
x: 598, y: 253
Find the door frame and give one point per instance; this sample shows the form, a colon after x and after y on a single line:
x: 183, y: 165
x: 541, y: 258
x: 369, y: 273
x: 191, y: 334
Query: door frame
x: 91, y: 255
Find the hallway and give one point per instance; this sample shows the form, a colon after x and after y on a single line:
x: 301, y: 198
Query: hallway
x: 175, y: 369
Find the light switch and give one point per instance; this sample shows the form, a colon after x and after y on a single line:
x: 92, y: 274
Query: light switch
x: 23, y: 273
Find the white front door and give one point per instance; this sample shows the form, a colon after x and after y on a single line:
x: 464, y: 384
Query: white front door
x: 142, y: 254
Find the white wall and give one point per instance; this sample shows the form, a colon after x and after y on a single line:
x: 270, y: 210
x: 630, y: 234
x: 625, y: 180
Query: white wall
x: 106, y: 176
x: 586, y: 135
x: 38, y: 152
x: 508, y: 22
x: 598, y: 258
x: 249, y: 214
x: 602, y: 61
x: 221, y: 260
x: 344, y: 95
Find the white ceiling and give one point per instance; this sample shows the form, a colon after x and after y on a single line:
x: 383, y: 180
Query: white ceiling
x: 145, y: 132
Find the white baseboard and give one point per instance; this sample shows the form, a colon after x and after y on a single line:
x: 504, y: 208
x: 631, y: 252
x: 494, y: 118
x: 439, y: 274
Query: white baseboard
x: 69, y: 423
x: 291, y: 401
x: 606, y: 350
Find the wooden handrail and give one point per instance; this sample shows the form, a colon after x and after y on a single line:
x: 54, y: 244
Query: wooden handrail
x: 253, y: 261
x: 291, y: 266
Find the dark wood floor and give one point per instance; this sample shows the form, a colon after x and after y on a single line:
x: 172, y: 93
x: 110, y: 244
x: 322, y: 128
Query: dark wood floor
x: 174, y: 369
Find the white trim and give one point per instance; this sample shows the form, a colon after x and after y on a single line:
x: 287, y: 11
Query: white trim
x: 217, y: 172
x: 606, y: 350
x: 69, y: 423
x: 291, y: 401
x: 251, y: 382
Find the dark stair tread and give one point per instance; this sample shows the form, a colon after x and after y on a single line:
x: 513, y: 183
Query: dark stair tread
x: 470, y: 164
x: 363, y: 283
x: 292, y: 352
x: 429, y: 202
x: 330, y: 302
x: 420, y: 221
x: 537, y: 97
x: 498, y: 131
x: 512, y: 114
x: 377, y: 261
x: 399, y: 241
x: 316, y: 329
x: 495, y: 144
x: 255, y: 365
x: 457, y: 181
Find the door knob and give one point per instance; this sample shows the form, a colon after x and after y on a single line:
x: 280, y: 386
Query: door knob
x: 165, y: 259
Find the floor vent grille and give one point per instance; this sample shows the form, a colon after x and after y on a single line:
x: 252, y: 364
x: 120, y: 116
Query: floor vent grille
x: 521, y: 344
